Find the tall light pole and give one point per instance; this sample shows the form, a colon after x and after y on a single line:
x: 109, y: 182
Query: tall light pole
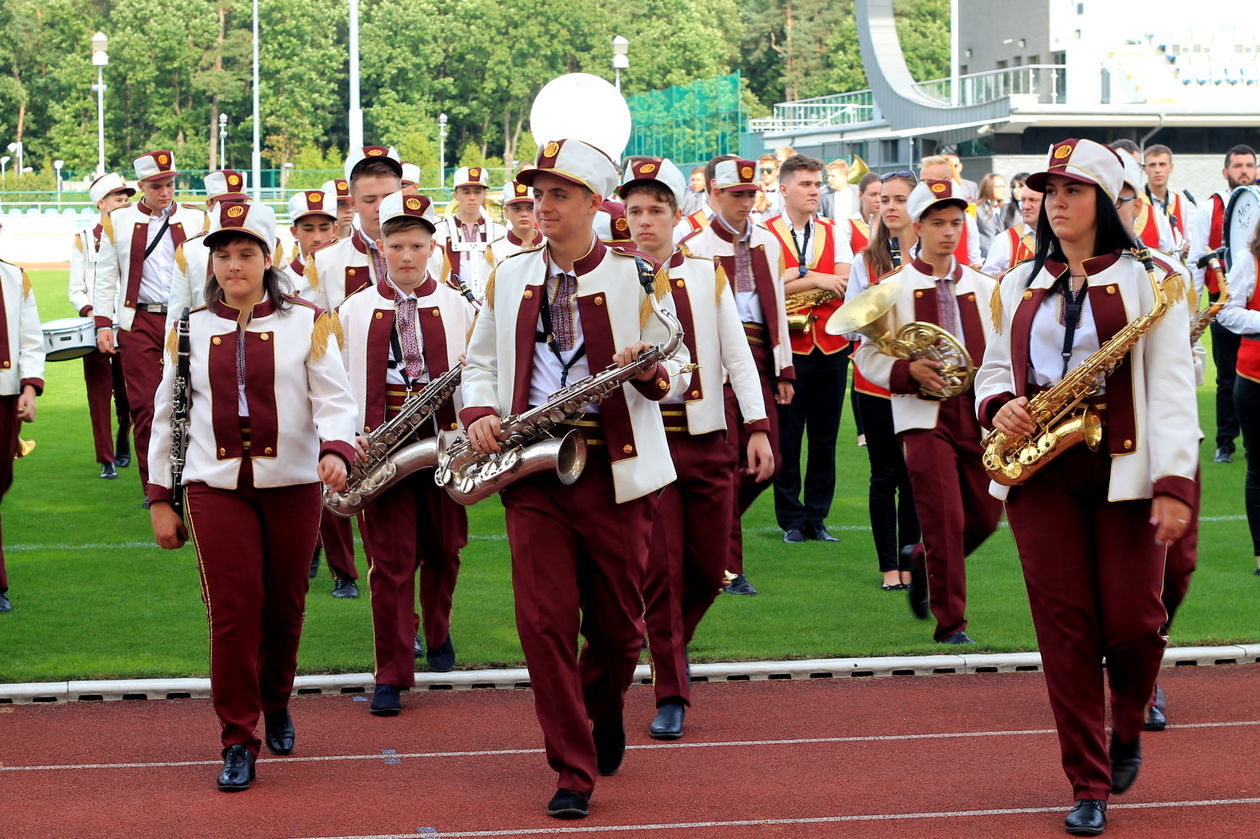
x: 223, y: 119
x: 442, y: 149
x: 620, y: 61
x: 356, y: 112
x: 257, y: 155
x: 954, y: 92
x: 4, y: 161
x: 57, y: 164
x: 99, y: 60
x: 16, y: 148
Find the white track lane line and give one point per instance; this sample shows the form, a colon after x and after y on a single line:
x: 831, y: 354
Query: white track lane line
x: 871, y: 817
x: 719, y: 744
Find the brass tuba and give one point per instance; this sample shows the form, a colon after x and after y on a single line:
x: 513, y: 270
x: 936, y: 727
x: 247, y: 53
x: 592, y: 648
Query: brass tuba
x: 869, y: 314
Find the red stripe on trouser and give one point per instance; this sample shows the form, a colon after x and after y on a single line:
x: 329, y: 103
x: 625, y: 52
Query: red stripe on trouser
x: 1094, y: 576
x: 253, y: 548
x: 951, y: 496
x: 336, y: 534
x: 102, y: 374
x: 414, y: 526
x: 686, y: 564
x: 737, y: 432
x: 141, y: 350
x: 9, y: 425
x: 578, y: 560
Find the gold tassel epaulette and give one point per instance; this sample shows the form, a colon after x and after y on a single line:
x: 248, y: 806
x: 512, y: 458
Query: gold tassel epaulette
x: 312, y: 275
x: 26, y: 285
x: 107, y: 226
x: 719, y: 281
x: 324, y: 329
x: 995, y: 308
x: 660, y: 287
x: 180, y: 259
x: 78, y: 244
x: 278, y: 259
x: 172, y: 343
x: 1174, y: 287
x: 488, y: 302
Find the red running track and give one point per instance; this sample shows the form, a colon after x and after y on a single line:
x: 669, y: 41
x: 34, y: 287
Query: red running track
x: 943, y: 756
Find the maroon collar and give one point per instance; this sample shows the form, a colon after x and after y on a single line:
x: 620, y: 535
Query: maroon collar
x: 261, y: 309
x: 150, y: 211
x: 928, y: 271
x: 722, y: 228
x: 386, y: 290
x: 676, y: 258
x: 517, y: 240
x: 1094, y: 265
x: 587, y: 263
x: 360, y: 240
x: 297, y: 266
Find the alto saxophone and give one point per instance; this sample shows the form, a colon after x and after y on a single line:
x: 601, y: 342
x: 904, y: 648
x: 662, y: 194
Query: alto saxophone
x: 1060, y: 413
x: 1210, y: 262
x: 527, y: 441
x: 797, y: 305
x: 393, y: 453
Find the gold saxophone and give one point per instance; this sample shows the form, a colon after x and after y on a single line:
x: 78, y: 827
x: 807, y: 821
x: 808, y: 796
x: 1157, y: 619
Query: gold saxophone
x: 1210, y: 262
x: 797, y: 306
x: 1060, y: 413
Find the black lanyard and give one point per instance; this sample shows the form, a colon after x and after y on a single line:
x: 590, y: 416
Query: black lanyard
x: 398, y: 362
x: 548, y: 334
x: 1071, y: 316
x: 802, y: 247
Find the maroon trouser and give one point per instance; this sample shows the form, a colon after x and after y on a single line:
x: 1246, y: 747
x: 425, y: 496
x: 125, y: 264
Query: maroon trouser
x: 951, y: 497
x: 253, y: 549
x: 103, y: 375
x: 336, y: 534
x: 578, y: 560
x: 686, y: 564
x: 1094, y: 575
x: 9, y: 424
x: 746, y: 488
x: 141, y: 350
x: 1182, y: 558
x: 415, y: 526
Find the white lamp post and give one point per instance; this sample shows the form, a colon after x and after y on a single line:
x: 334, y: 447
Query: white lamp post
x: 257, y: 154
x: 442, y: 149
x: 4, y: 162
x: 57, y: 164
x: 99, y: 60
x: 620, y: 60
x: 16, y: 148
x: 223, y: 119
x: 356, y: 112
x: 284, y: 175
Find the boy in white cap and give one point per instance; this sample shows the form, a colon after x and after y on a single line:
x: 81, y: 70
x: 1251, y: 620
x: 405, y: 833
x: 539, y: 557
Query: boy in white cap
x: 748, y: 257
x: 686, y: 564
x: 192, y: 257
x: 552, y: 316
x: 518, y: 211
x: 133, y: 285
x: 102, y: 372
x: 345, y: 211
x: 940, y: 436
x: 463, y: 239
x: 400, y: 334
x: 410, y: 179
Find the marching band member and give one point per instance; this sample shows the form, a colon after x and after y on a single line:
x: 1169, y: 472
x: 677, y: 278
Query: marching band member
x: 192, y: 257
x: 1208, y: 234
x: 410, y: 179
x: 702, y: 217
x: 21, y: 378
x: 1171, y: 212
x: 400, y: 334
x: 1017, y: 243
x: 1146, y: 227
x: 133, y: 285
x: 344, y: 266
x: 862, y: 222
x: 769, y: 201
x: 552, y: 315
x: 890, y: 499
x: 273, y: 358
x: 939, y: 167
x: 518, y: 211
x: 345, y: 208
x: 686, y: 565
x: 462, y: 252
x: 1092, y: 526
x: 748, y: 257
x: 814, y: 258
x: 102, y: 372
x: 940, y: 436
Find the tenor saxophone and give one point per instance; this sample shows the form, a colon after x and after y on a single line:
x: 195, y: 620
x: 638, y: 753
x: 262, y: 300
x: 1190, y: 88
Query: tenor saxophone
x: 1061, y: 414
x: 1210, y: 262
x: 797, y: 306
x: 392, y: 452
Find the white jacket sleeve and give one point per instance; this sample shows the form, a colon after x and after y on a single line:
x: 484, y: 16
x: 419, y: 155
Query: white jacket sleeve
x: 783, y: 352
x: 995, y: 377
x: 181, y: 289
x: 655, y: 332
x: 999, y: 258
x: 1172, y: 410
x: 1200, y: 229
x: 160, y: 436
x: 479, y: 385
x: 332, y: 405
x: 30, y: 341
x: 79, y: 266
x: 737, y: 359
x: 974, y: 257
x: 108, y: 277
x: 1235, y: 316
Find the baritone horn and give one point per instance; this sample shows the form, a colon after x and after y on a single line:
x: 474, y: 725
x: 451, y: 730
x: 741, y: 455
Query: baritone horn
x: 25, y: 447
x: 858, y: 170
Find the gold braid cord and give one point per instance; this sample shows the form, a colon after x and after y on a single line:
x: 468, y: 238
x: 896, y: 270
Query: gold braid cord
x: 312, y: 276
x: 180, y: 259
x: 26, y: 285
x: 995, y: 308
x: 172, y: 343
x: 719, y: 280
x: 660, y: 287
x: 323, y: 330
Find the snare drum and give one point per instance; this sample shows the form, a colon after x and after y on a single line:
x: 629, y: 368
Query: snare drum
x: 1241, y: 215
x: 69, y: 338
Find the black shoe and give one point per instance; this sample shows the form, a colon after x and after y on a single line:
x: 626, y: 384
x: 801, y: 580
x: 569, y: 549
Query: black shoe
x: 819, y: 534
x: 416, y: 646
x: 313, y: 571
x: 386, y: 701
x: 668, y: 724
x: 108, y: 472
x: 1087, y: 818
x: 1126, y: 760
x: 739, y: 585
x: 122, y: 459
x: 238, y: 769
x: 279, y: 728
x: 345, y: 587
x: 1257, y: 573
x: 1223, y: 455
x: 145, y: 504
x: 794, y: 536
x: 122, y: 451
x: 1156, y: 718
x: 441, y: 658
x: 957, y: 638
x: 610, y: 746
x: 5, y: 605
x: 918, y: 591
x: 567, y: 804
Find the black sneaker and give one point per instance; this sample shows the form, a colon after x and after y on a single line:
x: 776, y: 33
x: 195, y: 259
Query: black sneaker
x: 345, y: 587
x: 386, y: 701
x: 567, y: 804
x: 441, y: 658
x: 109, y: 472
x: 416, y: 646
x: 739, y: 585
x: 794, y: 536
x: 5, y: 605
x: 1223, y: 455
x: 957, y: 638
x: 820, y: 534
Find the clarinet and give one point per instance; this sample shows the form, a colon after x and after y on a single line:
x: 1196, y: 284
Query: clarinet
x: 463, y: 289
x: 181, y: 401
x: 894, y: 245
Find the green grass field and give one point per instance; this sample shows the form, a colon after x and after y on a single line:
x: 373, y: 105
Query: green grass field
x: 95, y: 598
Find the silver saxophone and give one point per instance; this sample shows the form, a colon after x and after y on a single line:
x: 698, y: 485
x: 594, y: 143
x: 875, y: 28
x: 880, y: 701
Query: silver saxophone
x: 392, y: 451
x: 528, y: 442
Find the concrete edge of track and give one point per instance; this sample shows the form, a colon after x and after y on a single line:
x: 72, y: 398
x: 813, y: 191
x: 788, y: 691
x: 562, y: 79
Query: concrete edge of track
x: 509, y: 678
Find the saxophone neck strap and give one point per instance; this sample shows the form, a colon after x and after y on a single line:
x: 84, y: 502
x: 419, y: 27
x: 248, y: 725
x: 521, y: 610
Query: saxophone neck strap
x: 1075, y: 303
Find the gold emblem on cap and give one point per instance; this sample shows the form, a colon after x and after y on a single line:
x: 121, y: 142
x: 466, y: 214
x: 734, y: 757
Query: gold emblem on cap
x: 1062, y: 152
x: 521, y: 189
x: 551, y: 149
x: 163, y: 159
x: 474, y: 173
x: 746, y: 172
x: 375, y: 152
x: 233, y: 180
x: 314, y: 197
x: 413, y: 203
x: 939, y: 188
x: 621, y: 225
x: 235, y: 211
x: 341, y: 185
x: 647, y: 168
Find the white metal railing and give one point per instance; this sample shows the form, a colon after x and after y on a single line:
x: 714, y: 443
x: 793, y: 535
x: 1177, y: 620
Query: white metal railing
x: 822, y: 111
x: 1045, y: 81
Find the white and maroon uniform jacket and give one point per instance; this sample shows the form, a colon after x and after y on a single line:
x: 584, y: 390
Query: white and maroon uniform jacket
x: 1012, y: 246
x: 765, y: 305
x: 973, y: 294
x: 122, y: 260
x: 510, y: 245
x: 84, y: 259
x: 1152, y: 414
x: 295, y: 273
x: 297, y: 396
x: 469, y: 259
x: 612, y: 313
x: 340, y: 268
x: 22, y: 344
x: 443, y: 318
x: 188, y: 286
x: 716, y: 341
